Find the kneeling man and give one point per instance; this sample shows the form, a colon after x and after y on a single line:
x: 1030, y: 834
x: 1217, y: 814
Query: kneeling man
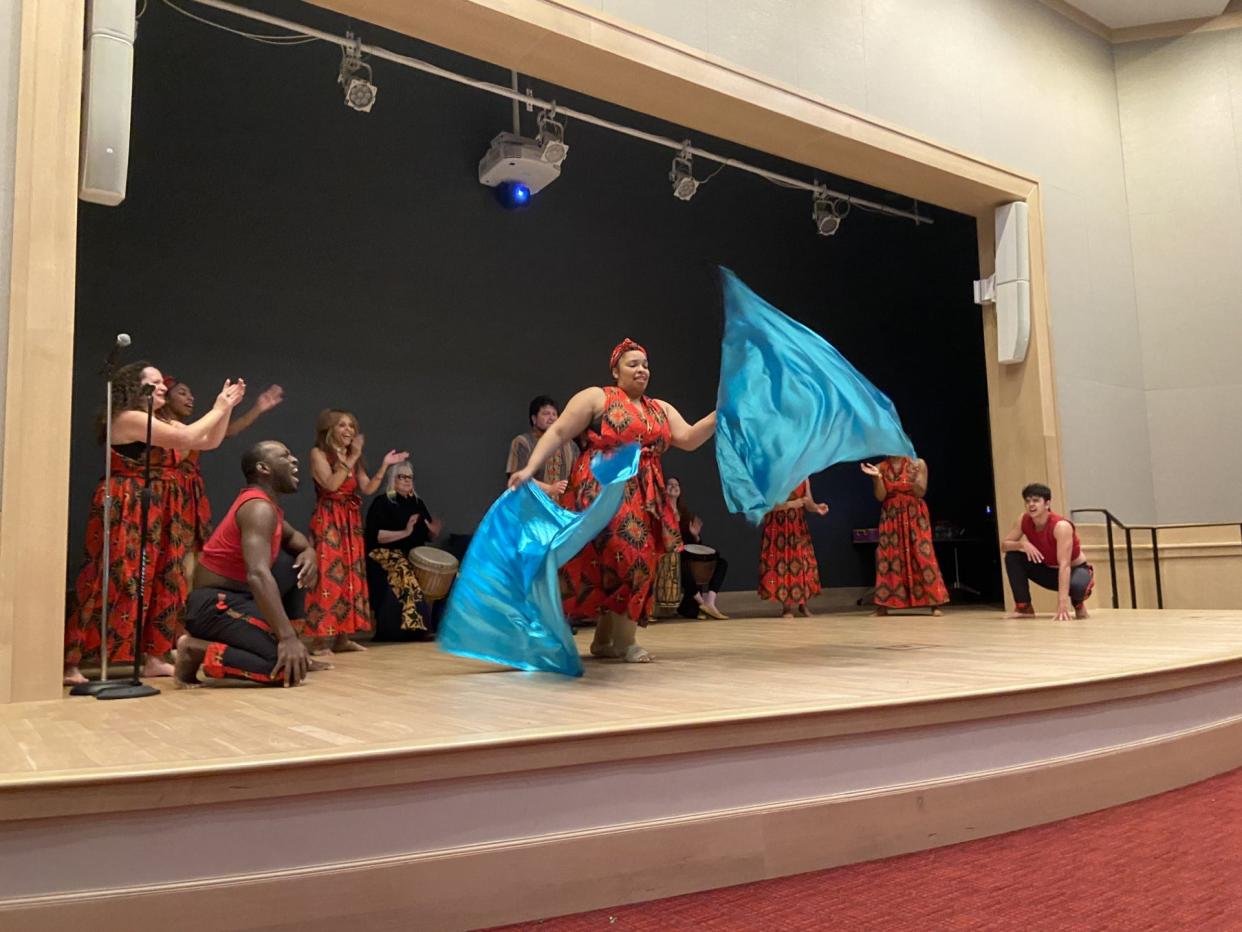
x: 1043, y: 548
x: 238, y: 617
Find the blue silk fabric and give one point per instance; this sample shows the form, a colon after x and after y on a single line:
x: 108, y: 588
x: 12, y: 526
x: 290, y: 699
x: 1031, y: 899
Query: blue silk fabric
x: 789, y: 405
x: 505, y: 606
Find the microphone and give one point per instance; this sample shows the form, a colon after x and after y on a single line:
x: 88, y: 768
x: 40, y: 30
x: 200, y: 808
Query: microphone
x: 147, y: 390
x: 122, y: 340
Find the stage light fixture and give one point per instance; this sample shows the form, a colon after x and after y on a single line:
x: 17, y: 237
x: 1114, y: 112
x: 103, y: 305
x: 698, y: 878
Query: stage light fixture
x: 551, y: 139
x: 682, y: 175
x: 355, y: 77
x: 828, y: 213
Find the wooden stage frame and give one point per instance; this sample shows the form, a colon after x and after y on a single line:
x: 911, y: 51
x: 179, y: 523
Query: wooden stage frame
x: 555, y: 40
x: 408, y: 787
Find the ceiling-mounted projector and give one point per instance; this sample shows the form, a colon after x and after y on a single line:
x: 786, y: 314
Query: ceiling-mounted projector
x: 517, y: 159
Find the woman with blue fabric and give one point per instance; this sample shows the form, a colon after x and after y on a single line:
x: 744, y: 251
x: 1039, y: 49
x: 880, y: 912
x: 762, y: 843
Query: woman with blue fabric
x: 612, y: 578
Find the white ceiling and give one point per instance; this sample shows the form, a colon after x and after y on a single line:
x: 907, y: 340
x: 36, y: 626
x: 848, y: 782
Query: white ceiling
x: 1117, y: 14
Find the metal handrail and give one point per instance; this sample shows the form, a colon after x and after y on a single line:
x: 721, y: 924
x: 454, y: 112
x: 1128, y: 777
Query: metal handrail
x: 1155, y: 529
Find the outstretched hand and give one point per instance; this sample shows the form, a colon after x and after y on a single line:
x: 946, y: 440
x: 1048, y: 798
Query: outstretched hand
x: 520, y: 478
x: 231, y: 395
x: 870, y: 469
x: 269, y: 398
x: 821, y: 509
x: 392, y: 457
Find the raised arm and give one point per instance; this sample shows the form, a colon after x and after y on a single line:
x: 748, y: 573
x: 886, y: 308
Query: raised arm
x: 370, y: 484
x: 686, y: 436
x: 257, y: 522
x: 268, y: 399
x: 878, y: 488
x: 326, y: 475
x: 809, y: 503
x: 204, y: 434
x: 582, y: 409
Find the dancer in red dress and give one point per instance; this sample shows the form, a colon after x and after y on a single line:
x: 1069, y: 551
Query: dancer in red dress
x: 906, y: 572
x: 788, y: 570
x: 179, y: 407
x: 165, y: 590
x: 613, y: 578
x: 339, y: 605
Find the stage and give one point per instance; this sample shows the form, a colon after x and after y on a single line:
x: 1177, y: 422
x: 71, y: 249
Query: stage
x: 408, y: 784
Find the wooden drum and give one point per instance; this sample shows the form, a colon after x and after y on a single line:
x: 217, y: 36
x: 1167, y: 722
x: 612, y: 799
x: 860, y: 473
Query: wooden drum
x: 701, y: 560
x: 668, y: 581
x: 435, y: 570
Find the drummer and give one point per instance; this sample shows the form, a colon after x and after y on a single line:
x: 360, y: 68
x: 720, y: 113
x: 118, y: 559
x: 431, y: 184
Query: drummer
x: 397, y: 522
x: 697, y: 601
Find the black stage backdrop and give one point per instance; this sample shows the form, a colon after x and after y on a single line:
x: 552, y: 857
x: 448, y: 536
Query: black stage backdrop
x: 269, y: 232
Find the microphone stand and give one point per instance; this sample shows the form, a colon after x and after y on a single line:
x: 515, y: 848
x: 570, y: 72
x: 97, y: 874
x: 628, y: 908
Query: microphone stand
x: 93, y: 687
x: 135, y: 688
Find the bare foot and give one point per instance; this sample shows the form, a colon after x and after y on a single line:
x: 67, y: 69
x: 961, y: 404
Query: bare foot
x: 881, y: 611
x: 321, y: 651
x: 804, y: 611
x: 787, y: 613
x: 636, y: 653
x: 343, y: 645
x: 937, y: 613
x: 315, y: 665
x: 1080, y: 613
x: 155, y: 666
x: 73, y: 676
x: 190, y: 654
x: 606, y: 651
x: 1027, y: 613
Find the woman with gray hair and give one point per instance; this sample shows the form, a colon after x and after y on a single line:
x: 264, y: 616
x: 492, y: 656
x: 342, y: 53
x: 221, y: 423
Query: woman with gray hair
x: 397, y: 522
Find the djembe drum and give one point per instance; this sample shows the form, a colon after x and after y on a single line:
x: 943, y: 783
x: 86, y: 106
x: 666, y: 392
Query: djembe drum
x: 435, y: 570
x: 701, y: 561
x: 668, y: 581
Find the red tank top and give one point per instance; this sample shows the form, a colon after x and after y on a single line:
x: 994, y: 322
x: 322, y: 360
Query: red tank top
x: 1044, y: 540
x: 222, y: 554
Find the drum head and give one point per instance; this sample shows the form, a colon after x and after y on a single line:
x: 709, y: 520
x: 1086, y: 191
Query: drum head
x: 433, y: 558
x: 700, y: 551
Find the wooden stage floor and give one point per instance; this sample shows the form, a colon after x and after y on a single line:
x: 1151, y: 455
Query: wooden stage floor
x: 410, y: 698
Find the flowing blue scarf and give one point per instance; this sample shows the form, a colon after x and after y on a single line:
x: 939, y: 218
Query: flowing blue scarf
x: 505, y: 606
x: 789, y: 405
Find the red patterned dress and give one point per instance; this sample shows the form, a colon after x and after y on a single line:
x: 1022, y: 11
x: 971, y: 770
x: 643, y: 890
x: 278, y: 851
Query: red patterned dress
x: 166, y: 587
x: 616, y: 571
x: 339, y: 604
x: 788, y: 570
x: 196, y: 508
x: 906, y: 572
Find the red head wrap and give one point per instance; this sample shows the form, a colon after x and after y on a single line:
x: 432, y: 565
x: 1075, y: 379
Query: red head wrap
x: 170, y: 381
x: 621, y: 349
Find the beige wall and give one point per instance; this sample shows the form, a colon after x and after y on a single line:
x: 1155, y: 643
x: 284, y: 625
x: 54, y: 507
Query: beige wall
x: 1015, y: 83
x: 1181, y: 118
x: 10, y: 43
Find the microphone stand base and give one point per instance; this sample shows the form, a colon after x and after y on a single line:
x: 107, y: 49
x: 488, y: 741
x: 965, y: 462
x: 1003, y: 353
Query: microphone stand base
x: 128, y: 691
x: 94, y: 687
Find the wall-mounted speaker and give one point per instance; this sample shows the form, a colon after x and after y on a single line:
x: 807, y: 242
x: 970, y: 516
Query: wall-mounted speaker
x: 1013, y: 282
x: 1009, y: 288
x: 107, y: 92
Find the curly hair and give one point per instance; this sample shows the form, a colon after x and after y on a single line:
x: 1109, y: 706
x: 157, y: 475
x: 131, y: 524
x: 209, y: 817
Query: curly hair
x: 126, y: 395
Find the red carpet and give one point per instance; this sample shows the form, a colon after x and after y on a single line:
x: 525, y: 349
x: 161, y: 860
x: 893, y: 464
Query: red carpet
x: 1169, y: 862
